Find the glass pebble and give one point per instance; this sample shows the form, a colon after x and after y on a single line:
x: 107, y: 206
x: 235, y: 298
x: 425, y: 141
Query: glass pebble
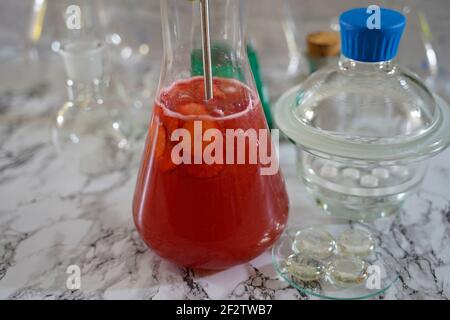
x: 347, y: 271
x: 381, y: 173
x: 305, y: 268
x: 356, y: 242
x: 314, y: 242
x: 351, y: 173
x: 329, y: 171
x: 369, y: 181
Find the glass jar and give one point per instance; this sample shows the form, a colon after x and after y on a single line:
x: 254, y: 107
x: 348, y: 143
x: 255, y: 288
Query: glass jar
x: 366, y: 127
x: 274, y: 34
x: 197, y: 210
x: 418, y: 49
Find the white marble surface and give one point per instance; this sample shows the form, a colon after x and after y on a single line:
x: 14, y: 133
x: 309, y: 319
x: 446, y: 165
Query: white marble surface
x: 52, y: 217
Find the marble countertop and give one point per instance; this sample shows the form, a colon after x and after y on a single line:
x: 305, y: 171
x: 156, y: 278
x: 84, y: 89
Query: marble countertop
x: 52, y: 217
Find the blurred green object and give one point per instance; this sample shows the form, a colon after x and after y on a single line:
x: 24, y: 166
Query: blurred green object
x: 262, y: 90
x: 223, y: 62
x: 224, y: 66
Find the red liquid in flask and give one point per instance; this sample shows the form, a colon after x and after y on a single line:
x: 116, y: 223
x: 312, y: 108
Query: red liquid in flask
x: 199, y: 215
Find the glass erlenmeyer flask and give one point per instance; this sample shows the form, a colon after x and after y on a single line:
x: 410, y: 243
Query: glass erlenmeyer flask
x: 208, y: 204
x: 91, y: 127
x: 274, y: 34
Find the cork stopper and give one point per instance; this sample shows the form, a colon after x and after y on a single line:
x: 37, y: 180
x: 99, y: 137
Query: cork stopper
x: 324, y: 44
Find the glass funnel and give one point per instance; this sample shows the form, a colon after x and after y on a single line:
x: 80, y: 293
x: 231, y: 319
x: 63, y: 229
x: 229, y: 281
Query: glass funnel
x: 204, y: 198
x: 91, y: 126
x: 22, y: 58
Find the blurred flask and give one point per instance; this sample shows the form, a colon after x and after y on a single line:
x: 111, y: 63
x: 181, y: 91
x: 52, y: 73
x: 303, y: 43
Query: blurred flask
x: 418, y: 48
x: 274, y: 35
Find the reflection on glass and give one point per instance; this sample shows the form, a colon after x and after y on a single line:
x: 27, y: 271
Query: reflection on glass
x: 21, y: 27
x: 418, y: 50
x: 134, y: 43
x: 91, y: 127
x: 274, y: 34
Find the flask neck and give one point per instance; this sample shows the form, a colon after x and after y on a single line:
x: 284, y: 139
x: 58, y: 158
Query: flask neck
x: 86, y: 93
x: 182, y: 38
x: 85, y: 69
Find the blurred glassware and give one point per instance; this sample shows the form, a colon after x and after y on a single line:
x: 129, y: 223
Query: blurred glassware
x: 274, y: 35
x: 134, y: 43
x: 418, y: 49
x: 21, y: 62
x: 92, y: 127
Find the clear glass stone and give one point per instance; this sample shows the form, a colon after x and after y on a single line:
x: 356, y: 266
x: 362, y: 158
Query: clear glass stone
x: 329, y: 171
x: 347, y: 271
x: 356, y: 242
x: 314, y: 242
x: 369, y: 181
x: 305, y: 268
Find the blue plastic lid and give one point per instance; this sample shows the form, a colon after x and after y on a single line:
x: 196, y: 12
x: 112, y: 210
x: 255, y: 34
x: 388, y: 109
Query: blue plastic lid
x: 369, y: 35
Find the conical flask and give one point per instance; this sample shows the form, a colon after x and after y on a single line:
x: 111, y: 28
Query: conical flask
x: 23, y: 57
x: 209, y: 193
x: 418, y: 49
x: 133, y: 38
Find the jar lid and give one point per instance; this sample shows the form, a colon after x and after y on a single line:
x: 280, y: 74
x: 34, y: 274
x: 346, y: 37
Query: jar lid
x: 323, y: 44
x: 362, y: 41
